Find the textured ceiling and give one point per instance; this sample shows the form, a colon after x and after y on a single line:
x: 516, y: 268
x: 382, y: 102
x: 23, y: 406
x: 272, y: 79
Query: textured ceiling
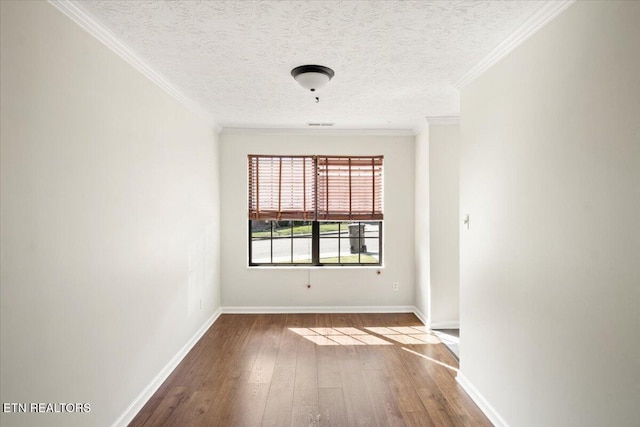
x: 395, y: 61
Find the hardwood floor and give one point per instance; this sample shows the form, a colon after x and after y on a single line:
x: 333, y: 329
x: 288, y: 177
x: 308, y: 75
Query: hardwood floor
x: 297, y: 370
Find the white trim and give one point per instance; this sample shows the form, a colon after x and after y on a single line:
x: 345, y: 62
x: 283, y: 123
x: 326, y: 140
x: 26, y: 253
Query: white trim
x: 446, y: 337
x: 157, y: 381
x: 446, y: 324
x: 538, y: 20
x: 129, y: 414
x: 482, y: 403
x: 94, y: 27
x: 425, y: 321
x: 443, y: 120
x: 320, y: 309
x: 303, y: 131
x: 300, y: 267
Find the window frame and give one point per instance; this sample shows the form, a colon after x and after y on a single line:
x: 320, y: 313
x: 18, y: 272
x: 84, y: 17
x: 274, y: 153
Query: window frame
x: 316, y: 237
x: 316, y: 189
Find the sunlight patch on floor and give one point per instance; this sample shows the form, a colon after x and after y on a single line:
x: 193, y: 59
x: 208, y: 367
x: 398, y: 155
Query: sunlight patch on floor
x: 354, y: 336
x: 406, y: 334
x: 424, y: 356
x: 338, y: 336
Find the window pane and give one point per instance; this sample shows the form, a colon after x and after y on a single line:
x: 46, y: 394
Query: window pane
x: 291, y: 242
x: 260, y: 228
x: 330, y: 233
x: 302, y: 228
x: 372, y: 229
x: 349, y: 243
x: 302, y: 250
x: 282, y: 251
x: 370, y: 258
x: 329, y: 250
x: 332, y: 227
x: 260, y: 242
x: 281, y: 242
x: 372, y: 242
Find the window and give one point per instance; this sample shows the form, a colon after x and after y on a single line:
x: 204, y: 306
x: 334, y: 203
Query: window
x: 315, y: 210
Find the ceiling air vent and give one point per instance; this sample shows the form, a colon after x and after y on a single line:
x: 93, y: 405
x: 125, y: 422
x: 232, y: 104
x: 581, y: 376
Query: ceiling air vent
x: 320, y: 124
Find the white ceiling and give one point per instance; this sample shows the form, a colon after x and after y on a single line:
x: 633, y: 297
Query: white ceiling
x: 395, y: 62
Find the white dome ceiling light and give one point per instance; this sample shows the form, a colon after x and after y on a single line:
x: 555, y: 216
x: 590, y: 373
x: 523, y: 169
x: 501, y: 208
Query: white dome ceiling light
x: 312, y: 77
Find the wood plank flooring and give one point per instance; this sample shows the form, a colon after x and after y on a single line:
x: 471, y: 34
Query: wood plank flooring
x: 314, y: 370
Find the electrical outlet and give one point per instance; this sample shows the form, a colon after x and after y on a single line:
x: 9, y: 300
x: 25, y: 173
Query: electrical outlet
x: 396, y: 286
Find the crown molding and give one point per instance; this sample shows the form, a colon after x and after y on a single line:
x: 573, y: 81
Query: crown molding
x: 538, y: 20
x: 293, y: 131
x: 443, y: 120
x: 84, y: 19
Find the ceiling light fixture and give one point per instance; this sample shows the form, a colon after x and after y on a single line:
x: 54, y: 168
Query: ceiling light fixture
x: 312, y: 77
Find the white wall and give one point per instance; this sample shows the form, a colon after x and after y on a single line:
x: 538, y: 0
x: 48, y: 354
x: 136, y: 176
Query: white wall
x: 108, y: 190
x: 437, y: 169
x: 330, y: 287
x: 550, y: 278
x: 444, y: 224
x: 422, y: 297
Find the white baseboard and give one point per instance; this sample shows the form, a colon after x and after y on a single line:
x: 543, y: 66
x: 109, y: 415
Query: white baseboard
x: 320, y: 309
x: 446, y: 324
x: 482, y: 403
x: 420, y: 315
x: 156, y: 382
